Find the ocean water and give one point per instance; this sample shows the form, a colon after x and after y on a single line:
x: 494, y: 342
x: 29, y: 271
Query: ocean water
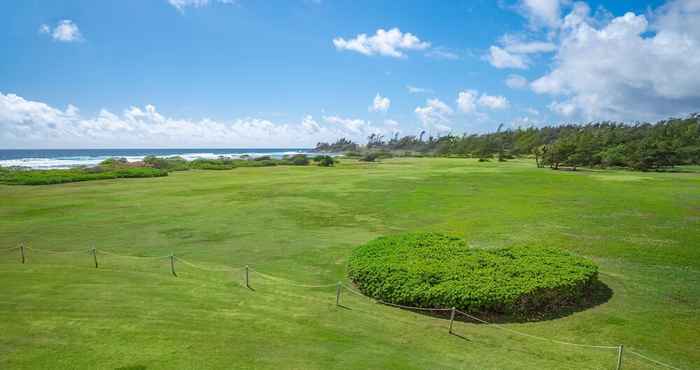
x: 67, y: 158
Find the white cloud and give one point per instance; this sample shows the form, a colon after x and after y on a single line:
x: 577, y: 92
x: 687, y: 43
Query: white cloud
x: 380, y: 104
x: 180, y: 5
x: 442, y: 53
x: 630, y: 68
x: 542, y: 12
x: 388, y: 43
x: 418, y: 90
x: 501, y: 58
x: 515, y: 44
x: 566, y: 109
x: 493, y: 102
x: 469, y: 100
x: 64, y: 31
x: 435, y: 115
x: 25, y: 123
x: 516, y: 82
x: 466, y: 101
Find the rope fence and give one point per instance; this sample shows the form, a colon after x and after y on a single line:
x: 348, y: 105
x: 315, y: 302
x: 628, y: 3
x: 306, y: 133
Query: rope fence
x: 340, y: 286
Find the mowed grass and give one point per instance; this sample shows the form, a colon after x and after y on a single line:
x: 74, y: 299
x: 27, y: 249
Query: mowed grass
x: 300, y: 223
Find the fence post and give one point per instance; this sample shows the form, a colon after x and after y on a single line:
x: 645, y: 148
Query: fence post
x: 337, y: 293
x: 247, y: 281
x: 172, y: 264
x: 94, y: 256
x: 619, y: 356
x: 21, y: 251
x: 452, y: 319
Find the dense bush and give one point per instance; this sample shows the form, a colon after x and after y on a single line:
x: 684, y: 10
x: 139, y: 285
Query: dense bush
x: 298, y: 160
x: 324, y: 160
x: 369, y: 157
x: 438, y: 271
x: 47, y: 177
x: 167, y: 163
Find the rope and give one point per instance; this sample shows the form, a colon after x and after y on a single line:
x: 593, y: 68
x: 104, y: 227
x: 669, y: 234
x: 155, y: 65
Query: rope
x: 652, y: 360
x: 121, y: 255
x: 291, y: 282
x: 208, y: 269
x: 534, y: 336
x: 55, y: 252
x: 394, y: 304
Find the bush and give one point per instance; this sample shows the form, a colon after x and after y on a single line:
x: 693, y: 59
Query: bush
x: 369, y: 157
x: 438, y: 271
x: 324, y: 160
x: 47, y: 177
x: 299, y: 160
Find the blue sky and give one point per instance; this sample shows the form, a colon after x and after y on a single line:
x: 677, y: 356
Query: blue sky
x: 232, y: 73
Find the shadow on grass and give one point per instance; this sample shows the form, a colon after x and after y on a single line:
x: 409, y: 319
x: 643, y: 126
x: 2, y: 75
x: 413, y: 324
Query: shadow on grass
x: 133, y: 367
x: 598, y: 294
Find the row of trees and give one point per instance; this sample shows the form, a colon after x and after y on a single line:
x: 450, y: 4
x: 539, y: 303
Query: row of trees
x: 641, y: 146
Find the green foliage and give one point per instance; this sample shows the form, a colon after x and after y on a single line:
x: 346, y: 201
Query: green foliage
x: 340, y: 146
x: 114, y: 162
x: 369, y: 157
x: 324, y: 160
x: 169, y: 163
x: 434, y: 270
x: 641, y: 146
x: 47, y: 177
x: 298, y: 160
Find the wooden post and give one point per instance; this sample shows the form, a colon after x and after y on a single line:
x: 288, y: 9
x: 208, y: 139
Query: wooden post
x: 619, y: 356
x: 172, y: 264
x: 452, y: 318
x: 337, y: 293
x: 94, y: 256
x: 247, y: 282
x: 21, y: 251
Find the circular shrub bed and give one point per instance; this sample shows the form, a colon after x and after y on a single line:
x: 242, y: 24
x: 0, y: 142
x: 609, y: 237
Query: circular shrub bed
x: 439, y: 271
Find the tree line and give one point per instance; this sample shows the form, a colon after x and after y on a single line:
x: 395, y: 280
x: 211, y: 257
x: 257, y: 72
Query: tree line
x: 640, y: 146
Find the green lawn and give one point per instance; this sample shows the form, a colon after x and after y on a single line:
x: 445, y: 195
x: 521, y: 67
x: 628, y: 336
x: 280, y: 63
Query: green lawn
x: 300, y: 223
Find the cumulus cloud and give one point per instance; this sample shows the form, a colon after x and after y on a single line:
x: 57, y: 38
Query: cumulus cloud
x: 630, y: 68
x: 542, y: 13
x: 64, y: 31
x: 502, y: 58
x: 516, y: 82
x: 180, y: 5
x: 390, y: 43
x: 435, y: 115
x: 26, y: 123
x: 494, y: 102
x: 514, y: 50
x: 468, y: 100
x: 380, y: 104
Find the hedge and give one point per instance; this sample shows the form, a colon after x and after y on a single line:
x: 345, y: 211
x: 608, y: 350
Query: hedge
x: 432, y: 270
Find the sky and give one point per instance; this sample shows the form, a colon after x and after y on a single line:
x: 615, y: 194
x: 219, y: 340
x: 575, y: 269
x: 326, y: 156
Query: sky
x: 273, y: 74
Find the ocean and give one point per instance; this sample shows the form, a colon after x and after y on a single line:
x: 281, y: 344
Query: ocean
x: 67, y: 158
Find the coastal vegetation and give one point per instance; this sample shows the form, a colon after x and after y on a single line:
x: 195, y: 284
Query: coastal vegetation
x: 641, y: 146
x: 150, y: 166
x: 431, y: 270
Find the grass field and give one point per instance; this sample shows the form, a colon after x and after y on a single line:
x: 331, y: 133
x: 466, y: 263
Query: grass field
x: 300, y: 223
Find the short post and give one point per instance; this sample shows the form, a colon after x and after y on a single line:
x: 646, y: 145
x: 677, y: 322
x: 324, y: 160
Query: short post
x: 337, y: 293
x: 620, y: 349
x: 21, y: 252
x: 94, y: 256
x: 172, y: 264
x: 247, y: 281
x: 452, y: 318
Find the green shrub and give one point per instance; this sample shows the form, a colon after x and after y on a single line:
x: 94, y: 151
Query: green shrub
x: 170, y: 164
x: 298, y: 160
x: 438, y: 271
x: 47, y: 177
x: 369, y: 157
x: 324, y: 160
